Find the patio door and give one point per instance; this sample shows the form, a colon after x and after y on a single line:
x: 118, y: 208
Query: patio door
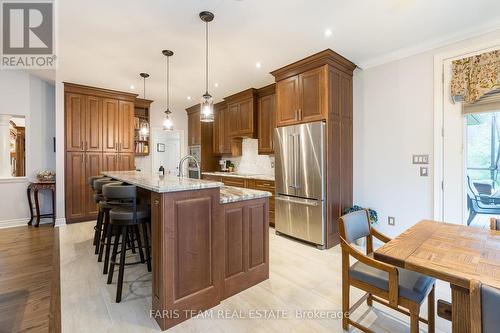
x: 471, y: 156
x: 453, y: 164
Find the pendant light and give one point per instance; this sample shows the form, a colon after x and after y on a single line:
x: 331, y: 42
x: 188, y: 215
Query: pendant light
x: 207, y: 103
x: 167, y: 122
x: 144, y: 130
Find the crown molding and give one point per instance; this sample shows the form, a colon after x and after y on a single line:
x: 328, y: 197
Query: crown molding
x: 431, y: 45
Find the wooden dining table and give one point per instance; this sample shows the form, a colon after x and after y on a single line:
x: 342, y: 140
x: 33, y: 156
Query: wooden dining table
x: 453, y: 253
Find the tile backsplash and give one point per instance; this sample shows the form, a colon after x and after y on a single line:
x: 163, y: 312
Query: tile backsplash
x: 250, y: 162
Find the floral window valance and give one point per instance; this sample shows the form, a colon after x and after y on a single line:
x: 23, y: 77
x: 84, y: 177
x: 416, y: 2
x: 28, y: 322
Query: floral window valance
x: 473, y: 77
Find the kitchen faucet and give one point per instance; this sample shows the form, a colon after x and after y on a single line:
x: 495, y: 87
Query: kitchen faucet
x: 187, y: 157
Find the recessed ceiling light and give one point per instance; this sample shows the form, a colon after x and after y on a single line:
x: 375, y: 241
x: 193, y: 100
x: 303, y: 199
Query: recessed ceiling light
x: 328, y: 32
x: 258, y: 65
x: 188, y: 98
x: 216, y: 85
x: 132, y: 87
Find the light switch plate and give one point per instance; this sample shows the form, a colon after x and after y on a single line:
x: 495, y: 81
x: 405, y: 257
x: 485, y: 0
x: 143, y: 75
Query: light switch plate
x: 424, y: 171
x: 391, y: 220
x: 420, y: 159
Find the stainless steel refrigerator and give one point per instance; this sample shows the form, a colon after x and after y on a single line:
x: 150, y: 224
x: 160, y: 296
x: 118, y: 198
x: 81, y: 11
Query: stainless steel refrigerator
x: 300, y: 181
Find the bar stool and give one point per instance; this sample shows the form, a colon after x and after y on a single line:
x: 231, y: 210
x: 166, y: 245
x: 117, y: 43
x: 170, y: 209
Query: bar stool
x: 126, y: 219
x: 97, y: 198
x: 103, y: 221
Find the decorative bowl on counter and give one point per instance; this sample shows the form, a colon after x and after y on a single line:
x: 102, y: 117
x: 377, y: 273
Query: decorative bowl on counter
x: 46, y: 176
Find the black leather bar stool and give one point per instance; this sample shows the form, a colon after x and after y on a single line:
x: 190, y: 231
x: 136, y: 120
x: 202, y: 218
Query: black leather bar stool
x: 103, y: 220
x: 126, y: 219
x: 97, y: 199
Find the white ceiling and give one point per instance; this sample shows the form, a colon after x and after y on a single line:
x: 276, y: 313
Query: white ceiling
x: 108, y: 43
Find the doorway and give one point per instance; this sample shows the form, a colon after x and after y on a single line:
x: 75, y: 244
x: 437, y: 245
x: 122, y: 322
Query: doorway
x: 455, y: 140
x: 166, y: 150
x: 482, y: 160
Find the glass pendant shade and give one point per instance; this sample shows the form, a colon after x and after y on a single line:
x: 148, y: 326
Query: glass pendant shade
x: 168, y: 125
x: 207, y: 109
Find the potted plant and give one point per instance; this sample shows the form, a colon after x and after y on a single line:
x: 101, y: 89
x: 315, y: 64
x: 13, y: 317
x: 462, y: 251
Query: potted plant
x: 373, y: 219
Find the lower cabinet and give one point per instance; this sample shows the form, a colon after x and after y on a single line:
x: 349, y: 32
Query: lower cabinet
x: 118, y: 162
x: 246, y: 244
x: 255, y: 184
x: 80, y: 204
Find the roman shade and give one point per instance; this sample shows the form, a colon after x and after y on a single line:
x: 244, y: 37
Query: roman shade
x: 474, y: 77
x: 488, y: 103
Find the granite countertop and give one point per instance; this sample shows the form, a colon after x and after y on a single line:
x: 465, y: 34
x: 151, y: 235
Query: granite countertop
x: 233, y: 194
x: 155, y: 183
x: 239, y: 175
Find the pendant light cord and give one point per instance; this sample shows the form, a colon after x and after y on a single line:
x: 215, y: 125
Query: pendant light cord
x: 168, y: 83
x: 144, y: 88
x: 206, y: 58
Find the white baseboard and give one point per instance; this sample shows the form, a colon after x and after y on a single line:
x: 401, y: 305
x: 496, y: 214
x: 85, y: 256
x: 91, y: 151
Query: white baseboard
x: 14, y: 223
x: 24, y: 221
x: 60, y: 221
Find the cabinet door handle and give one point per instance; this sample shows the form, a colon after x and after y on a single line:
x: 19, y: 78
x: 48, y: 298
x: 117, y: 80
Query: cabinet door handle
x: 157, y: 202
x: 300, y: 113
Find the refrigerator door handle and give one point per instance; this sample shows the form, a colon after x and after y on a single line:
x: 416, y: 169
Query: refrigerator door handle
x: 297, y: 160
x: 292, y: 164
x: 301, y: 201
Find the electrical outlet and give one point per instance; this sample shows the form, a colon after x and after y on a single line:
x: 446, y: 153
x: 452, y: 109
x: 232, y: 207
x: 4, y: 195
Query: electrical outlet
x: 391, y: 220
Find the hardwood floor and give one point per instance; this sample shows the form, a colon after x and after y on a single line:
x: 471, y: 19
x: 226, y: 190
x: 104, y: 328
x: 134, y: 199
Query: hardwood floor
x: 29, y: 279
x: 302, y: 279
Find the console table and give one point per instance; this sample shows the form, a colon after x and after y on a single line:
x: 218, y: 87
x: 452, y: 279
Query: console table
x: 35, y: 187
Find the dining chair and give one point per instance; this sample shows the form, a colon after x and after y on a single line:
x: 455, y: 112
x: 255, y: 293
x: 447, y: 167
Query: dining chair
x: 494, y: 224
x: 484, y: 305
x: 394, y: 287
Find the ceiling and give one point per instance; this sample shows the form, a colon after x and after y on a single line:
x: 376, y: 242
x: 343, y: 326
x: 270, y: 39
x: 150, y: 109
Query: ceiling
x: 108, y: 43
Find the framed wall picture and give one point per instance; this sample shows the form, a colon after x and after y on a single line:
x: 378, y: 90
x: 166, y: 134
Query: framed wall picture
x: 160, y: 147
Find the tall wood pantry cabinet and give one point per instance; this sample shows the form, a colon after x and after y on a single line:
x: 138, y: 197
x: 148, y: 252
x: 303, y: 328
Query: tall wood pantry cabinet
x: 99, y: 136
x: 319, y: 88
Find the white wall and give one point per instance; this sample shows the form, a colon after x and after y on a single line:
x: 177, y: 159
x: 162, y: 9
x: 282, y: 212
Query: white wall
x: 179, y: 118
x: 393, y: 119
x: 26, y: 95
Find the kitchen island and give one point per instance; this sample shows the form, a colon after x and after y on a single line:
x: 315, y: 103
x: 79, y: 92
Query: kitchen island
x: 208, y: 242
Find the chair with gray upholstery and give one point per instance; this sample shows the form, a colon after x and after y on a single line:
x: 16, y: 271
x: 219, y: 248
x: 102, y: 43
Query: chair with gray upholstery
x: 395, y: 287
x: 125, y: 218
x: 484, y: 308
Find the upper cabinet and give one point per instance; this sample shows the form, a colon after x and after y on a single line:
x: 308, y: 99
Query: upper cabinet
x: 222, y: 140
x: 266, y: 119
x: 126, y: 127
x: 242, y: 112
x: 194, y: 125
x: 301, y: 98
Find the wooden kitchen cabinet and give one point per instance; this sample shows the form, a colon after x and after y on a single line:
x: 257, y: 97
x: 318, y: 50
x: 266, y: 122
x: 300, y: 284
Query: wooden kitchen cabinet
x: 266, y: 118
x: 319, y: 88
x: 302, y: 98
x: 222, y: 140
x: 93, y: 124
x: 93, y: 167
x: 126, y: 127
x: 242, y: 112
x: 75, y: 106
x: 194, y: 126
x: 287, y: 101
x: 99, y: 135
x: 255, y: 184
x: 110, y: 125
x: 75, y: 185
x: 313, y: 95
x: 246, y: 240
x: 126, y: 161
